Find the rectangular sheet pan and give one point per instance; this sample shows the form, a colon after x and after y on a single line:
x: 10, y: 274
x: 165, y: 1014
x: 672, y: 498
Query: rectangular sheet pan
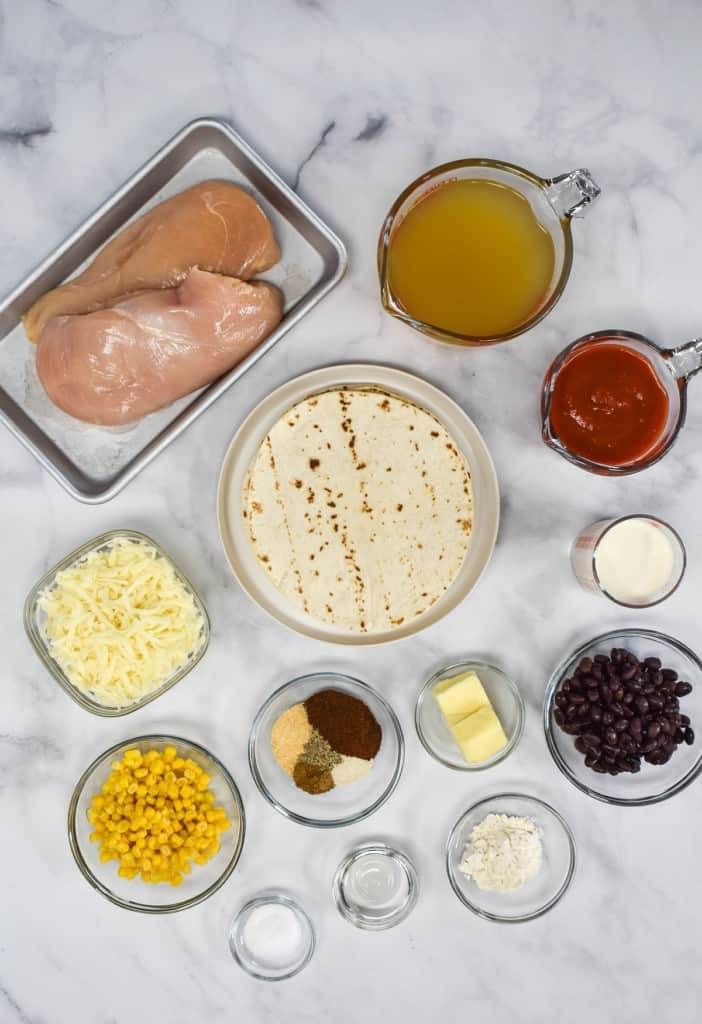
x: 95, y: 463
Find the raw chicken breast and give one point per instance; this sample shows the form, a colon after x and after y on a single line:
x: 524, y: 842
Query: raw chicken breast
x: 214, y: 226
x: 116, y: 365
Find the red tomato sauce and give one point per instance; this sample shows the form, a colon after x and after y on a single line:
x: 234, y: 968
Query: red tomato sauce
x: 608, y: 405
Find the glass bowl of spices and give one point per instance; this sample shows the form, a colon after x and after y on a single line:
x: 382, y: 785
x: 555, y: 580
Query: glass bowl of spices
x: 272, y: 937
x: 510, y: 858
x: 469, y: 716
x: 620, y: 716
x: 326, y: 750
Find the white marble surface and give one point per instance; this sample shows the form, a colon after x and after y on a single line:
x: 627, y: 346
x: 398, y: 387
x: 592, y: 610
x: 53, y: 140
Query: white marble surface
x: 349, y: 101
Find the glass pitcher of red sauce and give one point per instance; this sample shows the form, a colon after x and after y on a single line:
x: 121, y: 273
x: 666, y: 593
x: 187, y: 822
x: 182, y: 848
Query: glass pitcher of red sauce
x: 613, y: 402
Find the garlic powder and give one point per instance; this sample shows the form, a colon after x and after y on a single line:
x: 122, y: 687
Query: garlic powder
x: 503, y: 852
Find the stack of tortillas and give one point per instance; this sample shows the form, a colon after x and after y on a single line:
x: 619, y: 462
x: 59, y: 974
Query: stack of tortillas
x: 359, y: 508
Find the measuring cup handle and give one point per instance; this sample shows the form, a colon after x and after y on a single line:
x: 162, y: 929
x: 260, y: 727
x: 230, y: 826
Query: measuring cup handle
x: 686, y: 360
x: 570, y: 194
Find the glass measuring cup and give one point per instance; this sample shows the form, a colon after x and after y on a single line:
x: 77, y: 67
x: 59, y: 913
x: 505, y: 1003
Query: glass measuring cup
x: 673, y: 369
x: 553, y: 201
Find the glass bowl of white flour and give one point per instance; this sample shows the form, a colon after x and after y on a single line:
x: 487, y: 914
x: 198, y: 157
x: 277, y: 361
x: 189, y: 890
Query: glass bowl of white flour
x: 510, y: 857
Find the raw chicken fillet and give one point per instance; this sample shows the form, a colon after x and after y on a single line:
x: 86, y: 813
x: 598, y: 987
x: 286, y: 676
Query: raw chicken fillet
x: 116, y: 365
x: 215, y: 226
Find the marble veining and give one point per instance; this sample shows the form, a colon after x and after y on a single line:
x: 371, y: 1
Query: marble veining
x: 350, y: 102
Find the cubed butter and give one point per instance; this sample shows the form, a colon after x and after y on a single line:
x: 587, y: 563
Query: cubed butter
x: 460, y: 696
x: 480, y: 735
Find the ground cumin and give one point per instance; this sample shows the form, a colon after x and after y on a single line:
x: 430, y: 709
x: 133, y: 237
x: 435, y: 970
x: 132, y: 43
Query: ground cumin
x: 345, y: 722
x: 311, y: 779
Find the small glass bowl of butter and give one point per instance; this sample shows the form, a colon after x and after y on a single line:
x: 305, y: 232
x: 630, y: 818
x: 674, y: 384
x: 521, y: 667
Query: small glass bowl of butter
x: 469, y: 716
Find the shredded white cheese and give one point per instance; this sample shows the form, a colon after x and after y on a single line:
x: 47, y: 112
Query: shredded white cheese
x: 503, y: 852
x: 120, y: 622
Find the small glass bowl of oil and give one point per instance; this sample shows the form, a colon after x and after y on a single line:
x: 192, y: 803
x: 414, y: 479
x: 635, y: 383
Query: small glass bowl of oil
x: 375, y: 886
x: 478, y: 251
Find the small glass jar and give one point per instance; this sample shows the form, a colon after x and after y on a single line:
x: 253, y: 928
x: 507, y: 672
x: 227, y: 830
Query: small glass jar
x: 587, y: 545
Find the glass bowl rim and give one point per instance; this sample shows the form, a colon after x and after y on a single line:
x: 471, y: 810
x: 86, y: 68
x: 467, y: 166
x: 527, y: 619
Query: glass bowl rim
x: 350, y: 819
x: 148, y: 908
x: 558, y: 673
x: 283, y: 899
x: 43, y: 653
x: 375, y: 846
x: 560, y: 893
x: 511, y: 743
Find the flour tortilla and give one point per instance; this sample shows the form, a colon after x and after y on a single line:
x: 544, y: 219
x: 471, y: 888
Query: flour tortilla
x: 359, y: 507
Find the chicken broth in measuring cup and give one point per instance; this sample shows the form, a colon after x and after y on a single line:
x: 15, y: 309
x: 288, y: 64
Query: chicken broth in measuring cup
x: 478, y: 251
x: 471, y: 258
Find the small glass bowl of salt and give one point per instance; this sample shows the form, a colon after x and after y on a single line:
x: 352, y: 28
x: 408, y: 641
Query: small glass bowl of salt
x: 272, y: 937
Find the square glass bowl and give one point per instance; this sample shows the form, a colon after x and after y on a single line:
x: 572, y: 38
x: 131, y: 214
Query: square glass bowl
x: 34, y: 618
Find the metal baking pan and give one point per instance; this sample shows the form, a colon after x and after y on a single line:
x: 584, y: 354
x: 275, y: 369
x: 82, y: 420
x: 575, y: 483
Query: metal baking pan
x: 95, y: 463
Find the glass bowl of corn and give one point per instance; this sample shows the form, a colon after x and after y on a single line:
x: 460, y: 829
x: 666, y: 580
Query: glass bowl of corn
x: 156, y: 824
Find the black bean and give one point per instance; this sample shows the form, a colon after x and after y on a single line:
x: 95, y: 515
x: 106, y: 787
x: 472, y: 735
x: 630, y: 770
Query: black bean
x: 670, y: 675
x: 655, y: 702
x: 585, y: 665
x: 591, y: 739
x: 620, y: 724
x: 635, y: 725
x: 654, y: 663
x: 596, y: 713
x: 580, y: 745
x: 641, y: 705
x: 684, y: 720
x: 605, y: 693
x: 571, y: 711
x: 679, y: 735
x: 628, y: 697
x: 610, y: 737
x: 600, y: 659
x: 599, y: 768
x: 653, y: 730
x: 607, y: 717
x: 590, y: 760
x: 576, y: 698
x: 628, y: 673
x: 682, y: 689
x: 689, y: 736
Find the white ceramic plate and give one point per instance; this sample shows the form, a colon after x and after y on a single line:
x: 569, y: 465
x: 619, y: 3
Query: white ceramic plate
x: 250, y: 435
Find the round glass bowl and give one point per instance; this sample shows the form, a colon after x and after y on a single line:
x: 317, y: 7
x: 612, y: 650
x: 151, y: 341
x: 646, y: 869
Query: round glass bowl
x: 343, y: 805
x: 271, y: 964
x: 134, y: 894
x: 435, y: 734
x: 654, y: 782
x: 542, y: 891
x: 375, y: 887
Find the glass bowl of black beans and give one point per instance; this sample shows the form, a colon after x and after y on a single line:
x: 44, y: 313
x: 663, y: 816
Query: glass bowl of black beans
x: 620, y: 715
